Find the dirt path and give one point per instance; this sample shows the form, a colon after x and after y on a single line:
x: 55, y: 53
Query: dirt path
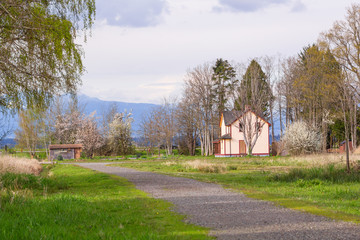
x: 232, y: 215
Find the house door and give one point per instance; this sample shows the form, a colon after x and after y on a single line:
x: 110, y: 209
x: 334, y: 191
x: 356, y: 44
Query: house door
x: 242, y: 147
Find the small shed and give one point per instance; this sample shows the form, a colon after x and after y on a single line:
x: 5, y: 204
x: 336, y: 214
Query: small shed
x: 342, y: 147
x: 67, y: 151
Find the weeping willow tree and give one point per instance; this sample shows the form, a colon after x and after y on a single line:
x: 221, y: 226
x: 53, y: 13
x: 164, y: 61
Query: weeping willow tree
x: 38, y: 54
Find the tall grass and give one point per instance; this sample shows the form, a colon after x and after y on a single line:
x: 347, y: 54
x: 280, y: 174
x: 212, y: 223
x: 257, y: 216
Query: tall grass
x: 19, y: 165
x: 329, y: 173
x: 206, y: 167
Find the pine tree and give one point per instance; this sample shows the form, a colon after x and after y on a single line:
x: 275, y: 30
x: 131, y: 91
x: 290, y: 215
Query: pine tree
x: 224, y: 83
x: 254, y: 91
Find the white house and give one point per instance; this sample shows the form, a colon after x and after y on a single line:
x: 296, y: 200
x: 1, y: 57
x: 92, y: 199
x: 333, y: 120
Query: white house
x: 240, y: 130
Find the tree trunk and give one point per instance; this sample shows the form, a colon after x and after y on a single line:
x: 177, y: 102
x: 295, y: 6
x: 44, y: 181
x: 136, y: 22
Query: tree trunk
x: 347, y: 140
x: 272, y: 122
x: 280, y: 115
x: 324, y: 132
x: 354, y: 137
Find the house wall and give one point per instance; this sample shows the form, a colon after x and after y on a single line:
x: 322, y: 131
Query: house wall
x: 65, y: 153
x: 225, y: 144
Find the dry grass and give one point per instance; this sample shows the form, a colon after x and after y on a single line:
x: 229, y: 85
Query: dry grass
x: 168, y: 163
x: 325, y: 159
x: 206, y: 167
x: 19, y: 165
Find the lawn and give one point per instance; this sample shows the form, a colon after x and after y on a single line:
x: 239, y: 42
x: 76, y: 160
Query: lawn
x: 69, y: 202
x: 316, y: 184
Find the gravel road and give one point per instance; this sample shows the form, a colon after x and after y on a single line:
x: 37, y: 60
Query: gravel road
x: 232, y: 215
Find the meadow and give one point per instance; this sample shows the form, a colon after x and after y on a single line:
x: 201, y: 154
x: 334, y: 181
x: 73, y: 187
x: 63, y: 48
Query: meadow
x: 318, y: 184
x: 69, y: 202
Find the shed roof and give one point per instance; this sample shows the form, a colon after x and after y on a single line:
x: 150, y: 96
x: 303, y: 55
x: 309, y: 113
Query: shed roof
x: 63, y: 146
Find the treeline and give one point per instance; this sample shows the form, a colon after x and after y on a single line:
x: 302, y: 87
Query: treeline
x: 318, y: 87
x: 64, y: 122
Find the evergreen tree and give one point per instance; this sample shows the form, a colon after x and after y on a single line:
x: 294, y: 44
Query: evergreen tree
x: 224, y: 83
x: 254, y: 91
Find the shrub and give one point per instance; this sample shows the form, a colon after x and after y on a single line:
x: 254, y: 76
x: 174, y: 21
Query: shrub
x: 300, y: 138
x: 60, y: 158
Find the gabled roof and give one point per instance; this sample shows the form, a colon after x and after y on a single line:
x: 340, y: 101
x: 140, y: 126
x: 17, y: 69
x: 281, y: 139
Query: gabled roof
x: 231, y: 116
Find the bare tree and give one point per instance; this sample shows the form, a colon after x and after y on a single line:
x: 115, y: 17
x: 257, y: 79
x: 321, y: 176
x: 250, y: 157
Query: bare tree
x: 343, y: 39
x: 346, y: 90
x: 187, y: 123
x: 271, y: 66
x: 150, y: 130
x: 30, y: 129
x: 198, y: 87
x: 159, y: 126
x: 168, y: 122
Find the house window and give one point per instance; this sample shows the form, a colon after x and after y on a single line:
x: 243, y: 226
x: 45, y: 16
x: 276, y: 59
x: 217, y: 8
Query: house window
x: 241, y: 127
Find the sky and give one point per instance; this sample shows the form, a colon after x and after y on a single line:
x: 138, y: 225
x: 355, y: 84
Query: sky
x: 140, y: 50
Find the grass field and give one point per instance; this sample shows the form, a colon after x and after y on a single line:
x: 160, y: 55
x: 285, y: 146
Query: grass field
x: 69, y: 202
x: 317, y: 184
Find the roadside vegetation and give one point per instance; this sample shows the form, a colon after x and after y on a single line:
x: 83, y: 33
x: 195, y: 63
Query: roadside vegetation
x: 19, y: 165
x: 318, y: 184
x: 69, y: 202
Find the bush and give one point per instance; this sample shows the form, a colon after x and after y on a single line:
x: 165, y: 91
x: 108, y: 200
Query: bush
x: 300, y: 138
x: 60, y: 158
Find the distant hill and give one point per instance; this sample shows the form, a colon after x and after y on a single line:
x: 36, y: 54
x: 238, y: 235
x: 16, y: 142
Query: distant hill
x: 10, y: 142
x: 94, y: 104
x: 138, y: 109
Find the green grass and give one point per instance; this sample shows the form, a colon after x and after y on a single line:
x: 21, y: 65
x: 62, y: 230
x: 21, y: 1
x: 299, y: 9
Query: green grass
x: 327, y: 190
x: 69, y: 202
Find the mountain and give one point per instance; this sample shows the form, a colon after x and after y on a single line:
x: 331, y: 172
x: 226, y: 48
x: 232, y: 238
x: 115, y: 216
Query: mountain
x: 92, y: 104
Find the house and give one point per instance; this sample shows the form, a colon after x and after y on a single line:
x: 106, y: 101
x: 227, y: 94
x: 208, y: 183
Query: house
x: 67, y: 151
x: 233, y: 124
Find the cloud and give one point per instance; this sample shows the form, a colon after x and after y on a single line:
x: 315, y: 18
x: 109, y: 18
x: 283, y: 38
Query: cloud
x: 246, y: 5
x: 298, y: 7
x: 131, y: 13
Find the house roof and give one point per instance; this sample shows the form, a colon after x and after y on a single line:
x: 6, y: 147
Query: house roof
x: 226, y: 136
x: 231, y: 116
x: 62, y: 146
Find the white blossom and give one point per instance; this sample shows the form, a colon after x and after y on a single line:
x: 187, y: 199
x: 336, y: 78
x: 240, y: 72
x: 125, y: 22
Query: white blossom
x: 301, y: 138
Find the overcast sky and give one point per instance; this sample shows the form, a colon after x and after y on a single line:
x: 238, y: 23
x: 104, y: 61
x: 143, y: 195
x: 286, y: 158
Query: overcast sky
x: 140, y: 50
